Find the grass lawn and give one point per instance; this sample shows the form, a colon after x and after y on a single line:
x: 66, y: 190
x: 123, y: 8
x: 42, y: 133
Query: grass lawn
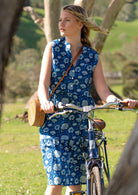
x: 21, y: 167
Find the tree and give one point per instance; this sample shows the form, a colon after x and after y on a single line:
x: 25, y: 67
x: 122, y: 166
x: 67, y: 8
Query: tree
x: 10, y: 12
x: 87, y: 5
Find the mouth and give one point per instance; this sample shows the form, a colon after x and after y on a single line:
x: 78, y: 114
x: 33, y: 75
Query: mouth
x: 62, y: 30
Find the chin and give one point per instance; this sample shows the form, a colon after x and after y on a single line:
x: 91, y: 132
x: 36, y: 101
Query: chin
x: 62, y: 34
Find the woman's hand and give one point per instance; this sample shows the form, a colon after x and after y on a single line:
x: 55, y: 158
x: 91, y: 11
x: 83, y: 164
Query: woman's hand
x: 131, y: 103
x: 47, y: 106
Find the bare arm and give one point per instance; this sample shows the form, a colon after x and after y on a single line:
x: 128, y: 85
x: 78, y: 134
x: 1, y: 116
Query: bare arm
x: 44, y: 81
x: 100, y: 84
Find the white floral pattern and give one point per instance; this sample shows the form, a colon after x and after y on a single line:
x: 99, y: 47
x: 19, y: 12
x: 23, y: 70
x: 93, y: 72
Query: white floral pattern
x: 60, y: 137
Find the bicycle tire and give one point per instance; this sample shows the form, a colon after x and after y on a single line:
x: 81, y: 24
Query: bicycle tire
x: 95, y: 181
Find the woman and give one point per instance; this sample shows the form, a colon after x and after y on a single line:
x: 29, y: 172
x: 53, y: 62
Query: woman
x: 62, y: 136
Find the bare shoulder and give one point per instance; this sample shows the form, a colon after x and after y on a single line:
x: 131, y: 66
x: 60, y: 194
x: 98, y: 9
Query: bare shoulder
x: 47, y: 51
x: 48, y: 47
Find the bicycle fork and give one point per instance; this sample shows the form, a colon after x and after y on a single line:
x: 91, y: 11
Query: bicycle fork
x: 93, y: 156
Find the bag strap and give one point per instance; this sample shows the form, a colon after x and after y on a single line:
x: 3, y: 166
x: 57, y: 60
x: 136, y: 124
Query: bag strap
x: 66, y: 72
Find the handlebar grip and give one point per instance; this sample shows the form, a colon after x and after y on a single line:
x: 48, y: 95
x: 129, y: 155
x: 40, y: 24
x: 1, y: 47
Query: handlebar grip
x: 56, y: 108
x: 125, y: 104
x: 59, y: 106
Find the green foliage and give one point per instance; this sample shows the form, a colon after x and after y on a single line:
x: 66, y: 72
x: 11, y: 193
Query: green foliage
x: 114, y: 40
x: 22, y: 74
x: 21, y: 167
x: 17, y: 86
x: 131, y: 90
x: 17, y: 47
x: 41, y: 45
x: 120, y: 62
x: 130, y: 78
x: 21, y: 84
x: 130, y: 49
x: 29, y: 31
x: 109, y: 62
x: 26, y: 59
x: 37, y: 3
x: 128, y: 12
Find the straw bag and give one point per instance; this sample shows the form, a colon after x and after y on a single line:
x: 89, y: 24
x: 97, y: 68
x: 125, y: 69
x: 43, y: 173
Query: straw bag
x: 36, y: 116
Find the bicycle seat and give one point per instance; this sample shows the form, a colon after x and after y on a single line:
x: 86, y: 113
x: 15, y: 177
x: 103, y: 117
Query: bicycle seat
x: 99, y: 124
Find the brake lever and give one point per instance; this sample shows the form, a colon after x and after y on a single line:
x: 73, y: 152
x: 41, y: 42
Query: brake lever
x: 120, y: 106
x: 60, y: 113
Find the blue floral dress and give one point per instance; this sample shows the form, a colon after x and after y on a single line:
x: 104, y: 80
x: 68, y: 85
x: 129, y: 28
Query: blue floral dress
x: 63, y: 139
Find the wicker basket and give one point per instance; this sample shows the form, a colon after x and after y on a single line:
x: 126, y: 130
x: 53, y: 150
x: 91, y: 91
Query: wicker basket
x: 36, y: 116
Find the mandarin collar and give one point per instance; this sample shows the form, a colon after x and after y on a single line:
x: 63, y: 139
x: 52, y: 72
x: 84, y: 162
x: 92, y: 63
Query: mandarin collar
x: 68, y: 46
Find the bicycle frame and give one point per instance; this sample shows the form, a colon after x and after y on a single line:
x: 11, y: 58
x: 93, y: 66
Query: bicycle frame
x: 95, y: 157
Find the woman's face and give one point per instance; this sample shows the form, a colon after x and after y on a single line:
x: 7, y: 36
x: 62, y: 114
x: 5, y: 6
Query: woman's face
x: 68, y: 24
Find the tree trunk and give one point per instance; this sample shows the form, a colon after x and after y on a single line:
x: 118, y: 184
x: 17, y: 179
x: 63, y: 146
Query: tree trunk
x: 110, y: 17
x: 10, y: 11
x: 125, y: 178
x: 86, y: 4
x: 52, y: 12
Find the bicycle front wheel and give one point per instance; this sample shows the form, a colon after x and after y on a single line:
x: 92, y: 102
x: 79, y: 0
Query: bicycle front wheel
x: 95, y: 182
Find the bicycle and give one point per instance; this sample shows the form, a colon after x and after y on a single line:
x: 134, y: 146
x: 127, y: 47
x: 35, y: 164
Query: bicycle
x: 97, y: 163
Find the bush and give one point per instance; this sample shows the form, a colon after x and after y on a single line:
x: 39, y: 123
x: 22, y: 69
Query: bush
x: 22, y: 75
x: 17, y: 47
x: 130, y: 79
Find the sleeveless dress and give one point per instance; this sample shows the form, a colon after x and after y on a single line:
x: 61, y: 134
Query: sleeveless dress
x: 64, y: 139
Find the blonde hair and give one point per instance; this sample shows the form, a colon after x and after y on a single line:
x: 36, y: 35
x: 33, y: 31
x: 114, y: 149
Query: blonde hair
x: 81, y: 15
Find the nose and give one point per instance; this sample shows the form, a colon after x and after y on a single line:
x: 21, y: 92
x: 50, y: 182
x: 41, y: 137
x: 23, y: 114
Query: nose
x: 61, y: 23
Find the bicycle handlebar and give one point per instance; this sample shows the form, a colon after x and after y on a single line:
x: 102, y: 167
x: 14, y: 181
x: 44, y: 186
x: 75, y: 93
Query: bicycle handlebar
x: 64, y: 108
x: 112, y: 105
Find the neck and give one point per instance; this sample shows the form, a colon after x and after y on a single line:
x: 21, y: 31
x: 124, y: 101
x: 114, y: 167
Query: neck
x: 75, y: 43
